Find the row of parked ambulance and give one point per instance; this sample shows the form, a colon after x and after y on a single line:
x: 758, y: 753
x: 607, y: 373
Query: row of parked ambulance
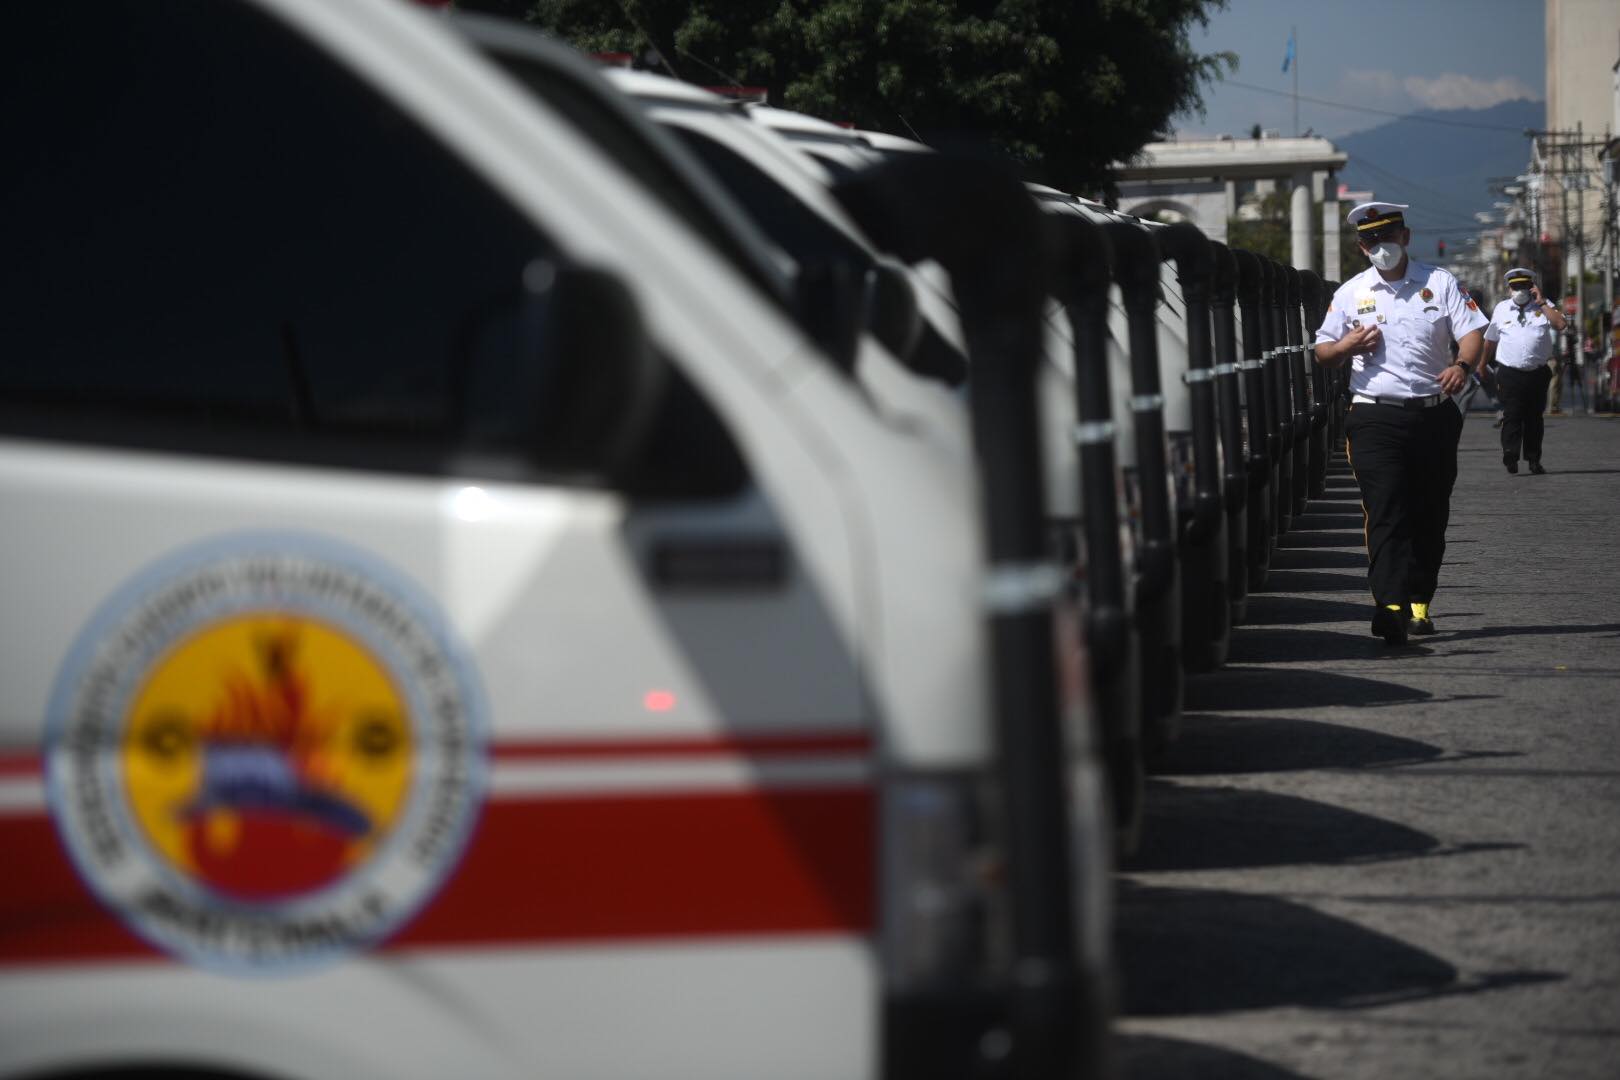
x: 515, y: 567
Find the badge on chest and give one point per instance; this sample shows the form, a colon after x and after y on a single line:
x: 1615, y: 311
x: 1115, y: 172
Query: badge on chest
x: 1366, y: 305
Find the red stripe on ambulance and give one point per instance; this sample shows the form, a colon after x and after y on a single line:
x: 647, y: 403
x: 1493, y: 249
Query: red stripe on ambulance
x: 541, y: 870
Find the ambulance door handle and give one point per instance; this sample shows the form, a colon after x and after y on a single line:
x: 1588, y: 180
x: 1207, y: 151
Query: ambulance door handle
x: 719, y: 562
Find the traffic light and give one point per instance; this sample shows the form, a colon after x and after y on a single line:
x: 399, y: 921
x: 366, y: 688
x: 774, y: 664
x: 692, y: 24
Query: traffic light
x: 1440, y: 249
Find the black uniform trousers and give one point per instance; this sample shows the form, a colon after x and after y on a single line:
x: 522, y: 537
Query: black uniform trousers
x: 1405, y: 461
x: 1524, y: 399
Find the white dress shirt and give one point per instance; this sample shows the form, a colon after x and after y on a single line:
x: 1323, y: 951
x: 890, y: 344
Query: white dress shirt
x: 1524, y: 336
x: 1419, y: 316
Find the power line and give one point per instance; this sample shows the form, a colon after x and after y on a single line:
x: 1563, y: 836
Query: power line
x: 1376, y: 112
x: 1459, y: 210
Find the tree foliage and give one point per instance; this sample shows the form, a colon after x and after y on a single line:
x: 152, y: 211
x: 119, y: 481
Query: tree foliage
x: 1066, y: 87
x: 1272, y: 234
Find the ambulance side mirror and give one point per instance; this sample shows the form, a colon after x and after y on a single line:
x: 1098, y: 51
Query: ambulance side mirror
x: 892, y: 312
x: 828, y: 293
x: 581, y: 381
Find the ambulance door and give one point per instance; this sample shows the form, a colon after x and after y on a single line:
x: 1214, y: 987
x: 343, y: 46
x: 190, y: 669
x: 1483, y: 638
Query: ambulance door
x: 340, y: 732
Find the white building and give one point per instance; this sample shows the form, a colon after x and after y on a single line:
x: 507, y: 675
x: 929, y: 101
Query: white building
x: 1201, y: 180
x: 1571, y: 215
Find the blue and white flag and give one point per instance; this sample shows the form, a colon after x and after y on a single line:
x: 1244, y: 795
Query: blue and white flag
x: 1288, y: 57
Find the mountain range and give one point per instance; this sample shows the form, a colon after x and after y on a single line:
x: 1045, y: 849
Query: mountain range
x: 1442, y: 162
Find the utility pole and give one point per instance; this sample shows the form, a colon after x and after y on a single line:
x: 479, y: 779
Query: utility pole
x: 1611, y: 170
x: 1580, y: 242
x: 1571, y: 172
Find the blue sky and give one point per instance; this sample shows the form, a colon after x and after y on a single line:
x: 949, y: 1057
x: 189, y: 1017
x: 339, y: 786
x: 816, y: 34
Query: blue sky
x: 1375, y: 54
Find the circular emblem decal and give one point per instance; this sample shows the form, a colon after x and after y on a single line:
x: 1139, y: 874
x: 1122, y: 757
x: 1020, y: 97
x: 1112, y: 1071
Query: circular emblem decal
x: 266, y: 756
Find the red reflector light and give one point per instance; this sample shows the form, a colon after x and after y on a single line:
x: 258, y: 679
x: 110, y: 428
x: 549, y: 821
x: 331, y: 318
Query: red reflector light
x: 658, y: 701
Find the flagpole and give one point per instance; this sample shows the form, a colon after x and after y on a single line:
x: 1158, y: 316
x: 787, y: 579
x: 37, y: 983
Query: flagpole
x: 1293, y: 35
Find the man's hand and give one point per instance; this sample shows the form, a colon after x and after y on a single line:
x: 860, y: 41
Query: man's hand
x: 1554, y: 316
x: 1363, y: 339
x: 1453, y: 379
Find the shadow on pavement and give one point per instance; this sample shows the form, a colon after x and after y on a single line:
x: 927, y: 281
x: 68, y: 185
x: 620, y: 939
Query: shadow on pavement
x: 1186, y: 951
x: 1192, y: 951
x: 1530, y: 631
x: 1262, y: 646
x: 1292, y: 581
x: 1581, y: 472
x: 1315, y: 538
x: 1282, y: 610
x: 1208, y: 828
x: 1312, y: 520
x: 1248, y: 689
x: 1320, y: 558
x: 1212, y: 745
x: 1149, y: 1057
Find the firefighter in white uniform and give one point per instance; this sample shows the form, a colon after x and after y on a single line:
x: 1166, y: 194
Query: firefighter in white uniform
x: 1394, y: 324
x: 1522, y: 338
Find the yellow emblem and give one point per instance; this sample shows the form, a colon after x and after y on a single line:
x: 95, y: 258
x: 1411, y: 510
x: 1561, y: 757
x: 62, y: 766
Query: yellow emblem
x: 266, y: 754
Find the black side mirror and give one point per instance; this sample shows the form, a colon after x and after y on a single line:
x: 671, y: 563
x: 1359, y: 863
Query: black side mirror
x: 830, y: 296
x: 892, y: 313
x: 583, y: 380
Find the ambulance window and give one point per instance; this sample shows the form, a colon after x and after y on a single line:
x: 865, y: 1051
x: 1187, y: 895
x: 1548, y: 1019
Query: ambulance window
x: 802, y: 232
x: 217, y: 240
x: 646, y: 154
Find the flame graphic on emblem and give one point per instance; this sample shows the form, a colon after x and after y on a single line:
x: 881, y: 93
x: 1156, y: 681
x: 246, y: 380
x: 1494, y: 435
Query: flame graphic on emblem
x: 270, y: 818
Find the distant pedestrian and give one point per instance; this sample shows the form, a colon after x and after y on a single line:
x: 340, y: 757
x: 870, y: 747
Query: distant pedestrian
x: 1521, y: 339
x: 1394, y: 323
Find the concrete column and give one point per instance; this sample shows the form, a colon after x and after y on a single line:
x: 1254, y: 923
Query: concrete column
x: 1299, y: 219
x: 1231, y: 199
x: 1330, y: 228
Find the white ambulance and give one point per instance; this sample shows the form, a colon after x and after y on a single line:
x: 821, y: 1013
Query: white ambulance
x: 413, y: 667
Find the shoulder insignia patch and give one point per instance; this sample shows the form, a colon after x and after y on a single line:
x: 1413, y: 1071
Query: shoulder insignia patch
x: 1471, y: 306
x: 1427, y: 293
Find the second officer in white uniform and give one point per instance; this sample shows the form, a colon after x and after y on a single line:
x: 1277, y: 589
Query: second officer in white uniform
x: 1394, y: 324
x: 1521, y: 338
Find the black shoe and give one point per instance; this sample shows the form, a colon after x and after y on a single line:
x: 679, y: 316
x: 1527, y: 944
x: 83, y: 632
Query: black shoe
x: 1511, y: 463
x: 1390, y: 624
x: 1419, y: 627
x: 1536, y: 469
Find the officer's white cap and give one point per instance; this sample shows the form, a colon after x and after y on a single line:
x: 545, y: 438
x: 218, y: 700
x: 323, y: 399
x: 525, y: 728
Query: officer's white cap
x: 1371, y: 215
x: 1520, y: 273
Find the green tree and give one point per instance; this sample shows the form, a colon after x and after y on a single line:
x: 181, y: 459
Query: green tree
x: 1272, y: 234
x: 1065, y: 87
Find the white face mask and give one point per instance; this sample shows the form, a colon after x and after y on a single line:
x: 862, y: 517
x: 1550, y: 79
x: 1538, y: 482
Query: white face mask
x: 1387, y: 255
x: 1521, y: 296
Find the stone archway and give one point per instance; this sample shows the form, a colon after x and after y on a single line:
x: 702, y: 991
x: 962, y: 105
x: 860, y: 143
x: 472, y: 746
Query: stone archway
x: 1204, y: 203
